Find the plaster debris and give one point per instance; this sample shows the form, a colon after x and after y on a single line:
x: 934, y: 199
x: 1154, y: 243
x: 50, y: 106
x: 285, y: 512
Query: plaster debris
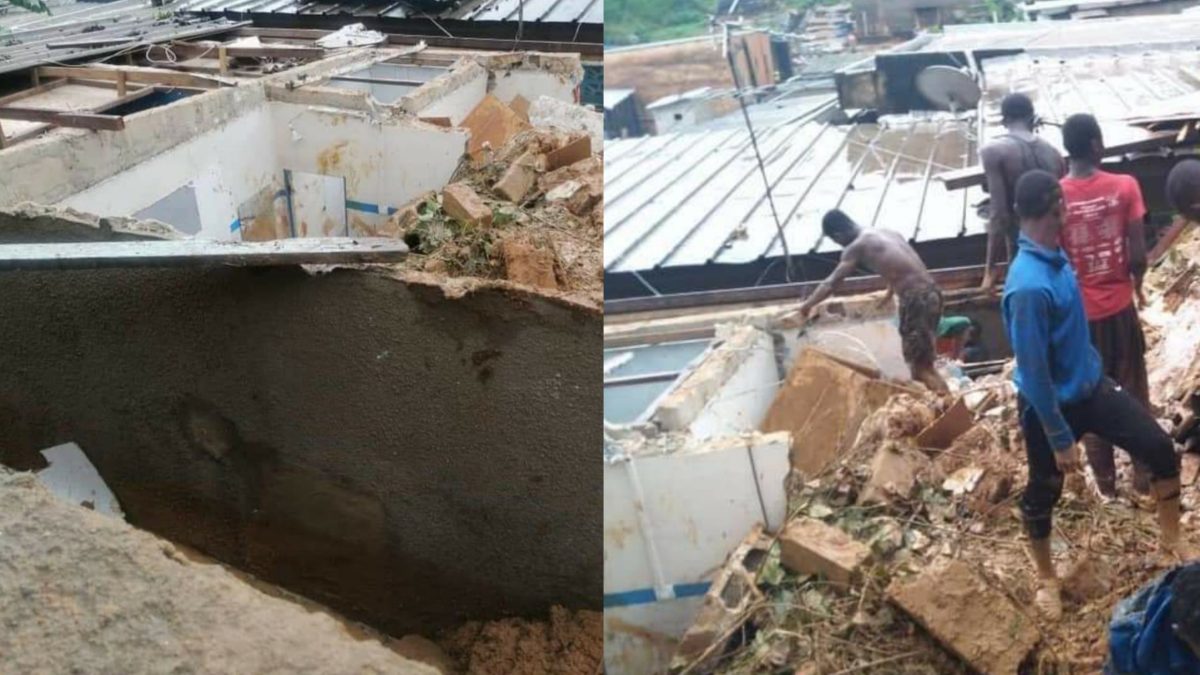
x: 551, y: 113
x: 809, y: 546
x: 352, y: 35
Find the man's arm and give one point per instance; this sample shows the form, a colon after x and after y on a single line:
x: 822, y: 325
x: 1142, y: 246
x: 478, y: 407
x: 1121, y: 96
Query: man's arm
x: 1136, y: 234
x: 845, y: 268
x: 999, y: 211
x: 1030, y: 319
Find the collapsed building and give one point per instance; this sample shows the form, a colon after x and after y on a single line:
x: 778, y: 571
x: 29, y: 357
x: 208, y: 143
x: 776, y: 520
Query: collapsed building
x: 325, y: 319
x: 777, y: 499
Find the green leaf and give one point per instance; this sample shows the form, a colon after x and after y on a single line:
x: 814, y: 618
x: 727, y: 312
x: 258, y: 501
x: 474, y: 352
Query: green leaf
x: 772, y: 571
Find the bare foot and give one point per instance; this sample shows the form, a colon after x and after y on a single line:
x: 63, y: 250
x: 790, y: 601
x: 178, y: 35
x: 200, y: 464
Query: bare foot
x: 1048, y: 599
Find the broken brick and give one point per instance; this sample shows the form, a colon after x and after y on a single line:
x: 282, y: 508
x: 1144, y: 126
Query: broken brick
x: 461, y: 203
x: 953, y: 423
x: 406, y: 216
x: 438, y: 121
x: 526, y: 264
x: 809, y: 546
x: 520, y: 105
x: 491, y: 123
x: 967, y: 616
x: 518, y: 180
x: 575, y: 151
x: 894, y: 472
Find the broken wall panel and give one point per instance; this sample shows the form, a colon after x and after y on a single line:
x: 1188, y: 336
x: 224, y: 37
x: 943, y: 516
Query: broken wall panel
x: 405, y: 457
x: 667, y: 529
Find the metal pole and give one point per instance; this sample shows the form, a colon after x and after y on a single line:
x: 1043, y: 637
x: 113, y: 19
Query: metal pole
x: 737, y: 86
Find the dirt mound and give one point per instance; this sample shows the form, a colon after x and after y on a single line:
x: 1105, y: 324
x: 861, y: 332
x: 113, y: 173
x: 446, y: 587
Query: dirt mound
x: 85, y: 592
x: 568, y: 644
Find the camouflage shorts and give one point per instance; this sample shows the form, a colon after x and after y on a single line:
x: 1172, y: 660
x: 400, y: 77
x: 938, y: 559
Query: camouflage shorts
x: 920, y: 311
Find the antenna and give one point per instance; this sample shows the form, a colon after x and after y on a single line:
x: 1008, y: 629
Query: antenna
x: 949, y: 88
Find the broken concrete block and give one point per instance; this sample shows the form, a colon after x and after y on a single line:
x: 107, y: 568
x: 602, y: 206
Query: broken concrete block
x: 491, y: 123
x: 406, y: 216
x: 575, y: 151
x: 725, y: 602
x: 461, y: 203
x: 810, y: 546
x: 529, y: 265
x: 518, y: 180
x: 438, y: 121
x: 1089, y: 578
x: 417, y: 648
x: 952, y: 424
x: 968, y: 617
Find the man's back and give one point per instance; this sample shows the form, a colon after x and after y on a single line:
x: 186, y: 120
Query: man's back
x: 888, y: 254
x: 1100, y: 209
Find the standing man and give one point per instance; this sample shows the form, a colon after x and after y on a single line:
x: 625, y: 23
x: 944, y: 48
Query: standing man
x: 887, y: 254
x: 1063, y: 393
x: 1104, y: 235
x: 1004, y: 160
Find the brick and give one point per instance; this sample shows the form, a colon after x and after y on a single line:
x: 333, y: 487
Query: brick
x: 894, y: 472
x: 574, y: 151
x: 810, y: 546
x: 518, y: 180
x: 968, y: 617
x: 520, y: 105
x: 492, y: 124
x: 526, y: 264
x: 461, y: 203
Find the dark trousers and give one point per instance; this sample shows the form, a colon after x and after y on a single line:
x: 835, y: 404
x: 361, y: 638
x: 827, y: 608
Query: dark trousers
x: 1111, y: 413
x: 1122, y: 347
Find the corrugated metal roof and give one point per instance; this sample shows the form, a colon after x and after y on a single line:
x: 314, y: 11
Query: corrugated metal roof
x: 1135, y: 32
x: 563, y: 11
x: 614, y: 97
x: 698, y: 197
x: 98, y: 30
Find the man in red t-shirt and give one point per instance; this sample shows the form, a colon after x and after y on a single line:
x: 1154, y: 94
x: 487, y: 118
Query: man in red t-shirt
x: 1104, y: 236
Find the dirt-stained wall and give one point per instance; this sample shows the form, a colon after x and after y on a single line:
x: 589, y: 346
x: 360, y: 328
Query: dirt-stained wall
x: 407, y: 458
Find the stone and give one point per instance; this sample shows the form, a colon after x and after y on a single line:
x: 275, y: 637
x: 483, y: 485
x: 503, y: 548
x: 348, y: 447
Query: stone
x: 518, y: 180
x: 574, y: 151
x: 417, y: 648
x: 1087, y: 579
x: 945, y: 429
x: 406, y: 217
x: 809, y: 546
x: 968, y: 617
x: 894, y: 473
x: 461, y: 203
x: 528, y: 265
x: 520, y: 105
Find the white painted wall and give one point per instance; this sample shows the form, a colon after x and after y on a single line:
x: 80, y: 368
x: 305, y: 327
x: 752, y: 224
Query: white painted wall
x: 225, y: 166
x: 384, y: 164
x: 459, y: 101
x: 742, y: 402
x: 533, y: 83
x: 669, y: 522
x: 881, y: 337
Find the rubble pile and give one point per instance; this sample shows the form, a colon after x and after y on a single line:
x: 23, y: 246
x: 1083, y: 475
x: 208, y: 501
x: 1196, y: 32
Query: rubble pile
x: 525, y: 205
x: 905, y: 558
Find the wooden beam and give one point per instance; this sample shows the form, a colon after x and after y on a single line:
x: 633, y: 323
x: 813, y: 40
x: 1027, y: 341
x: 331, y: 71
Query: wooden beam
x: 192, y: 50
x: 378, y: 80
x: 201, y: 253
x: 122, y: 76
x: 223, y: 59
x: 61, y: 118
x: 168, y: 78
x: 41, y: 88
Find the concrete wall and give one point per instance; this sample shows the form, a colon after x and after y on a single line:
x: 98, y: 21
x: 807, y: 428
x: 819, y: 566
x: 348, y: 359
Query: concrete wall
x: 742, y: 401
x: 533, y: 83
x: 669, y: 522
x: 385, y: 164
x: 408, y: 459
x: 221, y: 177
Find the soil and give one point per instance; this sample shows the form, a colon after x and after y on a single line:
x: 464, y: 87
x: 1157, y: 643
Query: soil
x: 89, y: 593
x: 570, y: 643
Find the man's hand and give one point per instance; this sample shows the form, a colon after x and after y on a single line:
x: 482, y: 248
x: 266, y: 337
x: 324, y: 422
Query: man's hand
x: 1067, y: 459
x: 796, y: 319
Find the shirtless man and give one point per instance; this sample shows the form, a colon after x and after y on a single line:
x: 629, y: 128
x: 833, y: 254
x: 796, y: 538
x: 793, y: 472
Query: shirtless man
x: 1004, y: 160
x: 887, y: 254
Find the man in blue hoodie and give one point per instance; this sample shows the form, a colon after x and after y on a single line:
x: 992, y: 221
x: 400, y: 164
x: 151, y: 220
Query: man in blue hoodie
x: 1156, y: 631
x: 1063, y: 393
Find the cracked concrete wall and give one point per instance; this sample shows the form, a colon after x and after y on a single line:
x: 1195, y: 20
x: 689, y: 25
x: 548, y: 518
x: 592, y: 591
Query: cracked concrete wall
x: 407, y: 458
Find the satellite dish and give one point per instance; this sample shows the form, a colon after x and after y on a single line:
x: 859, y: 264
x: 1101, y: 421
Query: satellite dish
x: 949, y: 88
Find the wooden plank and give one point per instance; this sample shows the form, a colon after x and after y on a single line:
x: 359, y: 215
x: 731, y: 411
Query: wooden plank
x: 223, y: 59
x: 973, y: 175
x: 378, y: 80
x: 201, y: 253
x: 132, y: 75
x: 60, y: 118
x: 122, y: 76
